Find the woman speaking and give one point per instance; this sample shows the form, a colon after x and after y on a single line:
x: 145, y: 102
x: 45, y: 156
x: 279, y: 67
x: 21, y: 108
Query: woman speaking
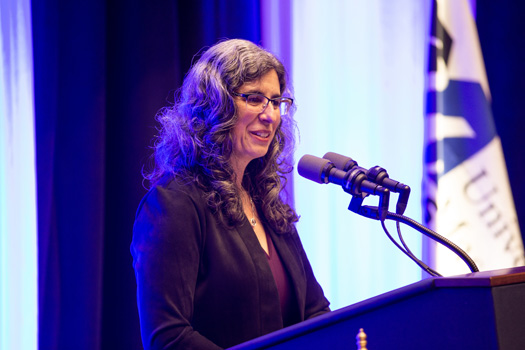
x: 217, y: 258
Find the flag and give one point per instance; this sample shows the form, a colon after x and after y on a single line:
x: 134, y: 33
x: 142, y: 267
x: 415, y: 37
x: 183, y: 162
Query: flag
x: 466, y: 191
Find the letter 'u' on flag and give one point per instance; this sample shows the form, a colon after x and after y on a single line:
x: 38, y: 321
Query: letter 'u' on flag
x: 466, y: 191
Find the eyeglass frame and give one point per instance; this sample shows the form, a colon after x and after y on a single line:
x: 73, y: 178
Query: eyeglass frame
x: 268, y: 100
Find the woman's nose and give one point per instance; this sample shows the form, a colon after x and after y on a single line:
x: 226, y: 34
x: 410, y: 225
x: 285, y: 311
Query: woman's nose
x: 269, y: 114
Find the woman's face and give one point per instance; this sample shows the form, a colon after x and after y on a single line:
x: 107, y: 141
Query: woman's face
x: 254, y: 131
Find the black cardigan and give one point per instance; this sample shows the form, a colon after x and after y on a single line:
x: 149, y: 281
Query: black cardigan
x: 201, y: 286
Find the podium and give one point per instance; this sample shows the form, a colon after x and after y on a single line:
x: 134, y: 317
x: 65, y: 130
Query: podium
x: 482, y: 310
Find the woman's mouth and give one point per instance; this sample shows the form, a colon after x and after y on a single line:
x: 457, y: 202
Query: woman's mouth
x: 261, y: 134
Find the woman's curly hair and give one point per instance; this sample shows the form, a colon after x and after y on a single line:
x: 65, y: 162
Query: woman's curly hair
x: 195, y: 141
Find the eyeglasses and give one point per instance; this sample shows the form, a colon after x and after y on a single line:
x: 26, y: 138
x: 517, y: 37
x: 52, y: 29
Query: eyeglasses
x: 257, y: 102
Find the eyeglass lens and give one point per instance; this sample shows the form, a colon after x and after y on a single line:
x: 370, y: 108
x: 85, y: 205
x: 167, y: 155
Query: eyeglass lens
x: 259, y: 102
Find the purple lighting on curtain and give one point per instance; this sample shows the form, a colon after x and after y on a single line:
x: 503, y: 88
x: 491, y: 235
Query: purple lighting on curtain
x: 18, y: 254
x: 276, y: 24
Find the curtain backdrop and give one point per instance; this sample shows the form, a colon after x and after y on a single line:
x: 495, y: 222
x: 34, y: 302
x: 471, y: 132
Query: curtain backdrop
x: 70, y: 95
x: 360, y: 89
x: 102, y: 71
x: 502, y: 38
x: 18, y: 217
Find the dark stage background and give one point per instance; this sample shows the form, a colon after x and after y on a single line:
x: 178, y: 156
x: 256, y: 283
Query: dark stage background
x: 102, y: 71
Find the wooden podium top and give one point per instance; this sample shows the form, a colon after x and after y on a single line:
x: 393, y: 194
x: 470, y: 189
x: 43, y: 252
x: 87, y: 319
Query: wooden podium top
x: 484, y: 278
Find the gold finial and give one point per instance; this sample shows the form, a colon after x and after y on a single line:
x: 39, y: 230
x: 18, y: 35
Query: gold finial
x: 361, y: 340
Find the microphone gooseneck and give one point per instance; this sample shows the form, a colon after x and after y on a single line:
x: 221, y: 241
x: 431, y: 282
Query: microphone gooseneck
x: 359, y: 182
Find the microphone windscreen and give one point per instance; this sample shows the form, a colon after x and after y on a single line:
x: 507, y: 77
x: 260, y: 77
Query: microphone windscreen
x: 312, y: 168
x: 341, y: 162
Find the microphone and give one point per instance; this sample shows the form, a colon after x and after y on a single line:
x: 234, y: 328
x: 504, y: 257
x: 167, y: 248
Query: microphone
x: 353, y: 181
x: 375, y: 174
x: 359, y: 182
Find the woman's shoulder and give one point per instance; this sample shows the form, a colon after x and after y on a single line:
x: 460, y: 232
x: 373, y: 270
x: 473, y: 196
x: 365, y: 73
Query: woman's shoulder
x: 171, y: 214
x: 177, y: 184
x: 173, y: 191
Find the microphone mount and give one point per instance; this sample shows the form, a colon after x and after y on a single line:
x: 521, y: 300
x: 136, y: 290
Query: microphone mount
x: 353, y: 181
x: 375, y: 174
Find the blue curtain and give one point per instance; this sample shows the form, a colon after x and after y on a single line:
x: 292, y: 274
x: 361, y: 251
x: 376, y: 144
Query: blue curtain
x: 501, y: 34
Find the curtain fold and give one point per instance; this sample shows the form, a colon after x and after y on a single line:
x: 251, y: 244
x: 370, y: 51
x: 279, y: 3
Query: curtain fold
x: 501, y: 35
x: 69, y: 55
x: 18, y: 241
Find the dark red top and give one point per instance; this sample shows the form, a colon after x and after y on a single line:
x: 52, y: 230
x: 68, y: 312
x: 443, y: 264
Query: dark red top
x: 284, y: 286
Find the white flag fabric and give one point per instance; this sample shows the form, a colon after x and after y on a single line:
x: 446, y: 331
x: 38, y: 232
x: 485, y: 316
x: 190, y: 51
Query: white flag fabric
x: 467, y: 196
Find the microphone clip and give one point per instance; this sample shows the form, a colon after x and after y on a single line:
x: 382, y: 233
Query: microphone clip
x: 355, y: 183
x: 377, y: 213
